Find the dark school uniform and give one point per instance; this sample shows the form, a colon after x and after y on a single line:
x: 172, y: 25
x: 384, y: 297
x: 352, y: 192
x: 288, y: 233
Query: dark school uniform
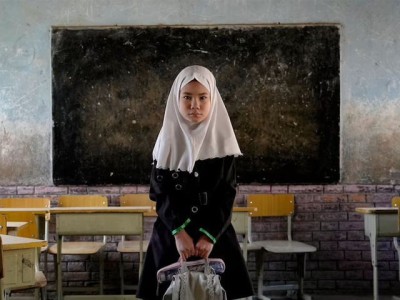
x: 201, y: 203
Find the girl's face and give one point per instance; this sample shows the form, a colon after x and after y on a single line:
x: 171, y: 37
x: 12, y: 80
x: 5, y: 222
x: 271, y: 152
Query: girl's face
x: 194, y: 102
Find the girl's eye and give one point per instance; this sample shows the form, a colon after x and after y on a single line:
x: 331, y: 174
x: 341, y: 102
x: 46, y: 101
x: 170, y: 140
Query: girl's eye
x: 203, y: 98
x: 187, y: 98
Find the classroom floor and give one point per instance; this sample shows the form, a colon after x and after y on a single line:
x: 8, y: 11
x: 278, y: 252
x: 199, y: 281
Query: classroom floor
x: 349, y: 297
x: 314, y: 297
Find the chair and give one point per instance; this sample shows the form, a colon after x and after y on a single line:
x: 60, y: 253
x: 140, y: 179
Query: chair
x: 396, y: 203
x: 277, y: 206
x: 3, y: 224
x: 74, y: 247
x: 36, y: 227
x: 133, y: 246
x: 241, y: 222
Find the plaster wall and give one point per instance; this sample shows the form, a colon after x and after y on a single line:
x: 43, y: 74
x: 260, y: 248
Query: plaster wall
x: 370, y: 71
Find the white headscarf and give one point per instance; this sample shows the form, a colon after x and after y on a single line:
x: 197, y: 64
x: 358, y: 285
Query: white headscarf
x: 180, y: 144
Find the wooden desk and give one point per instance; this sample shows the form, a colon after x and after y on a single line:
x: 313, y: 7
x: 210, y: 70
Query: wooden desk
x: 243, y: 209
x: 378, y: 222
x: 38, y: 211
x: 42, y: 214
x: 21, y: 261
x: 241, y: 222
x: 13, y: 227
x: 111, y: 220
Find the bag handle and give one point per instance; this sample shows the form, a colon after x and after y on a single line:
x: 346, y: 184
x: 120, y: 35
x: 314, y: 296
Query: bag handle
x: 207, y: 268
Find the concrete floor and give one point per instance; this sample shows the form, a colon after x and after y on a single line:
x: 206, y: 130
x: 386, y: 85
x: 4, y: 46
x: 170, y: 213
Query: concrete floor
x: 314, y: 297
x: 350, y: 297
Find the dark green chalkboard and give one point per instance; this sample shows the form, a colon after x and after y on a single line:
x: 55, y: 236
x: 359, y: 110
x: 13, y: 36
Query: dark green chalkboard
x: 280, y: 85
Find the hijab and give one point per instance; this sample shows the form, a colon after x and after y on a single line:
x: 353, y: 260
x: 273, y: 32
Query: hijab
x: 180, y: 144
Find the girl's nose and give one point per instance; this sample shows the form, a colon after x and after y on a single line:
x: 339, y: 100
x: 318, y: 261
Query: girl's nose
x: 195, y: 103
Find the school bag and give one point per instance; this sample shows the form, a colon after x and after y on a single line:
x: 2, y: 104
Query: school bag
x: 194, y: 280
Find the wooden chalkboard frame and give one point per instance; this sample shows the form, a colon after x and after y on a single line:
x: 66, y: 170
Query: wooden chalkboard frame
x: 280, y: 85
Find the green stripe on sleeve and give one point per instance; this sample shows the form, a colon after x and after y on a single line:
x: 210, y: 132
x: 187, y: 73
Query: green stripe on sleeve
x: 213, y: 239
x: 180, y: 228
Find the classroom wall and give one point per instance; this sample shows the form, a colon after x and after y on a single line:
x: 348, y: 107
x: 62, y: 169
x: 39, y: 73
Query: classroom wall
x: 369, y: 71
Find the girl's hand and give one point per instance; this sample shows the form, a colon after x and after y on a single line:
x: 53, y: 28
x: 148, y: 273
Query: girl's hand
x: 203, y: 247
x: 184, y: 245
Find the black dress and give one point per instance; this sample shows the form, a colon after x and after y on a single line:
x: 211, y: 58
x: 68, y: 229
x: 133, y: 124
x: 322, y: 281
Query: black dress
x: 201, y: 202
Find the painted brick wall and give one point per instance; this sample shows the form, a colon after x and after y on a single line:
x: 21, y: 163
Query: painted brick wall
x: 325, y: 217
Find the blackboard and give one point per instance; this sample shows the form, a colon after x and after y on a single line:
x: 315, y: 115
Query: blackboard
x: 280, y: 85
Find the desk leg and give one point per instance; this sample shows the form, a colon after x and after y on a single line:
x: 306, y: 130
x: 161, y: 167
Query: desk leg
x: 260, y: 274
x: 370, y: 230
x: 301, y: 270
x: 59, y: 273
x: 6, y: 294
x: 374, y: 260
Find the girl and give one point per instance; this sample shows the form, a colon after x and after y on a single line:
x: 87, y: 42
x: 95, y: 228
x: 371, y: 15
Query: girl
x: 193, y: 182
